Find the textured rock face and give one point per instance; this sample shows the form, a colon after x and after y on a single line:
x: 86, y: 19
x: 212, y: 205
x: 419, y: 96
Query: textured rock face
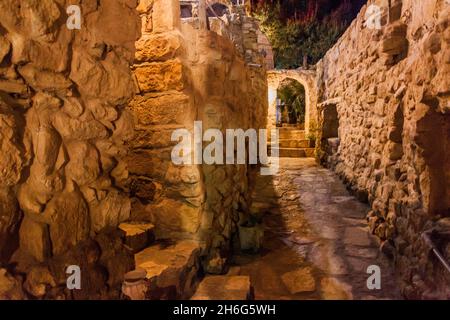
x: 391, y: 91
x: 183, y: 75
x: 63, y: 130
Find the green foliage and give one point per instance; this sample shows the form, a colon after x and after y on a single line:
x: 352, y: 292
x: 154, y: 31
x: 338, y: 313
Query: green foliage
x: 296, y: 38
x: 292, y: 93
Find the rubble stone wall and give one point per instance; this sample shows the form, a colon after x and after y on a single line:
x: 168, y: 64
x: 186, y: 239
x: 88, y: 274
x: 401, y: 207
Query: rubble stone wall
x: 201, y: 76
x: 391, y: 90
x: 63, y: 137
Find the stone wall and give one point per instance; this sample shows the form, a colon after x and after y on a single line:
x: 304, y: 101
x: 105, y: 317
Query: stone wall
x: 199, y: 75
x: 391, y: 91
x: 63, y: 135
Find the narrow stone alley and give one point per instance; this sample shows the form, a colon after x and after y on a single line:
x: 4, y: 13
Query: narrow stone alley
x: 316, y: 243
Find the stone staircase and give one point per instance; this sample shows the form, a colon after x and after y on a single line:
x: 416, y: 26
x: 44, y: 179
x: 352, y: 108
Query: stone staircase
x: 293, y: 143
x: 164, y: 270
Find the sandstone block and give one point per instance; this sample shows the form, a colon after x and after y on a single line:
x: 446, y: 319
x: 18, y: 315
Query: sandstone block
x: 69, y: 220
x: 44, y: 80
x: 10, y: 287
x: 157, y: 47
x: 138, y: 235
x: 167, y: 267
x: 110, y: 211
x: 174, y: 216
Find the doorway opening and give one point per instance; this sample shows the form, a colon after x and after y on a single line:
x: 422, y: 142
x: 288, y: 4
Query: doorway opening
x: 291, y: 104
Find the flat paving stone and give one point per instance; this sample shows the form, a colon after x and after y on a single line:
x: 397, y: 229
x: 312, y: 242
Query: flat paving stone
x: 300, y: 280
x: 316, y: 246
x: 224, y: 288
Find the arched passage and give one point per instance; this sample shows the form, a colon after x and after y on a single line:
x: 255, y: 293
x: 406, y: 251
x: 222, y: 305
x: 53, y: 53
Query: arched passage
x: 305, y: 78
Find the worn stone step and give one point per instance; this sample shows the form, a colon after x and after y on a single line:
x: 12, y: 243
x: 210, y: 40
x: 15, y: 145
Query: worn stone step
x: 224, y: 288
x: 288, y: 125
x: 294, y: 143
x: 138, y: 235
x: 294, y: 152
x: 287, y: 133
x: 171, y: 269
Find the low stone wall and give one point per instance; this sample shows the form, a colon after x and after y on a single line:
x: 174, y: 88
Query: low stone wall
x: 390, y: 89
x: 63, y: 134
x: 201, y: 76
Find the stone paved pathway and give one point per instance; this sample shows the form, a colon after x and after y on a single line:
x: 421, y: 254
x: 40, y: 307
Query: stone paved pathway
x: 316, y: 243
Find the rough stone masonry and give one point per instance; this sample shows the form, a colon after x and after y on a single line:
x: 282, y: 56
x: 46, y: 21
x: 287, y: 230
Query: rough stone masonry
x: 86, y: 117
x: 387, y: 93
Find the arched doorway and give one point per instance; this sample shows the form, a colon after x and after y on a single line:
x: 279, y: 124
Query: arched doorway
x: 305, y: 78
x: 291, y: 104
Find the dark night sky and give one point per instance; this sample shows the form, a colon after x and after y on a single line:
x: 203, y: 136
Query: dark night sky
x: 297, y: 8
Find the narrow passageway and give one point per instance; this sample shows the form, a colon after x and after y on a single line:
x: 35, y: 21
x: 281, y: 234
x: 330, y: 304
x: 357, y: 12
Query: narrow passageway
x: 316, y: 243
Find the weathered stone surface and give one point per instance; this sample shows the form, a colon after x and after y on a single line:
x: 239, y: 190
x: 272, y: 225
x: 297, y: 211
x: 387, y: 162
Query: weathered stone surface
x: 110, y: 211
x: 333, y: 289
x: 10, y: 287
x: 115, y: 257
x: 170, y: 269
x: 174, y: 216
x: 298, y: 281
x: 60, y: 144
x: 9, y: 223
x: 157, y: 47
x: 224, y: 288
x: 35, y: 239
x: 164, y: 76
x: 68, y: 217
x: 357, y: 236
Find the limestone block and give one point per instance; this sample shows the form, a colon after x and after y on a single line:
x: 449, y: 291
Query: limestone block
x: 162, y: 110
x: 394, y: 41
x: 40, y: 17
x: 78, y: 129
x: 166, y: 15
x: 145, y: 6
x: 69, y: 220
x: 168, y: 268
x: 138, y: 235
x: 35, y: 239
x: 160, y: 76
x: 108, y: 80
x: 38, y: 281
